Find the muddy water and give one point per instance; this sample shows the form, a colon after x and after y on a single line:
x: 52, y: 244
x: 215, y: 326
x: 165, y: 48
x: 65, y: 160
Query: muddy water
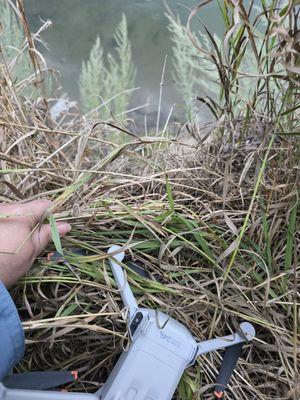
x: 77, y: 23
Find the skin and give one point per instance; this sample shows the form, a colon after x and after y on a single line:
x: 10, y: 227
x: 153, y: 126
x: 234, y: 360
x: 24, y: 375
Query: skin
x: 17, y: 222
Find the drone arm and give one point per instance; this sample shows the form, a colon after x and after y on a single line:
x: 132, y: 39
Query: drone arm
x: 247, y: 334
x: 121, y: 281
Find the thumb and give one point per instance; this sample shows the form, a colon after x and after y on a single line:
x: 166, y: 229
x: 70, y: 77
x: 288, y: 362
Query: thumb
x: 43, y: 236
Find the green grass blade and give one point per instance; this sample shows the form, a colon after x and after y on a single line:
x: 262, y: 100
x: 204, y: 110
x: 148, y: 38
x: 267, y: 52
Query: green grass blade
x: 55, y: 234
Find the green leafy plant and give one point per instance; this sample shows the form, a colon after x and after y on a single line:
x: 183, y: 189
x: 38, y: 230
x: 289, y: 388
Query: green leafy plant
x: 92, y: 78
x: 191, y: 72
x: 110, y: 79
x: 121, y: 71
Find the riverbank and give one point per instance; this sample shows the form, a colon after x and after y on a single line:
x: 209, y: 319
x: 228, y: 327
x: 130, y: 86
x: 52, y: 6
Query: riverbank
x: 214, y: 222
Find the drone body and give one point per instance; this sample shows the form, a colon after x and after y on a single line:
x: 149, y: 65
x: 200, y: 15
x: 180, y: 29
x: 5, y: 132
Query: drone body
x: 161, y: 349
x: 153, y: 365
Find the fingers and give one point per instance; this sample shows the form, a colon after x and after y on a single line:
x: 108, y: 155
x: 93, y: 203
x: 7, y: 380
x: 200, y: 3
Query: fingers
x: 63, y: 228
x: 42, y: 237
x: 33, y: 210
x: 36, y: 209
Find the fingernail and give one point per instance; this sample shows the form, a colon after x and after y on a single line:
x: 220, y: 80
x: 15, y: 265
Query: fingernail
x: 63, y: 228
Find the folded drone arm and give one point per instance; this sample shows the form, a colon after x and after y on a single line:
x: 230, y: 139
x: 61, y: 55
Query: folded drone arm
x: 121, y: 281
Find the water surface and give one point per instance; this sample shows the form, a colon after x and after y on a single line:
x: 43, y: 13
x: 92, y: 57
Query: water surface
x: 77, y: 23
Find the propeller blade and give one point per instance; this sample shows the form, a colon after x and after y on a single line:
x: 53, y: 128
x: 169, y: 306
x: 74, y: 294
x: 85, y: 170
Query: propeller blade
x: 55, y: 256
x: 138, y: 270
x: 229, y: 362
x: 39, y: 380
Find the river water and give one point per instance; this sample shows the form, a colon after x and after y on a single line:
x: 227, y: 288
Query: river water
x: 77, y: 23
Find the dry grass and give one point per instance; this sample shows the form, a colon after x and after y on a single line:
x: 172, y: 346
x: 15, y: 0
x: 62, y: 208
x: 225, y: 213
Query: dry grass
x: 217, y: 227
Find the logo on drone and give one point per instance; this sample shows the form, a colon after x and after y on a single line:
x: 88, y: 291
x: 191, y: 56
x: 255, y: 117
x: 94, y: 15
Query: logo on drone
x: 170, y: 340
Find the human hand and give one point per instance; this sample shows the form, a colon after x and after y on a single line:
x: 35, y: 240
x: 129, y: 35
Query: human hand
x: 19, y: 243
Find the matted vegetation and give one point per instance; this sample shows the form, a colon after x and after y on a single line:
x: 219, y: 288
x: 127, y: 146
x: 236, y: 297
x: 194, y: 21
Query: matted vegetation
x: 215, y: 224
